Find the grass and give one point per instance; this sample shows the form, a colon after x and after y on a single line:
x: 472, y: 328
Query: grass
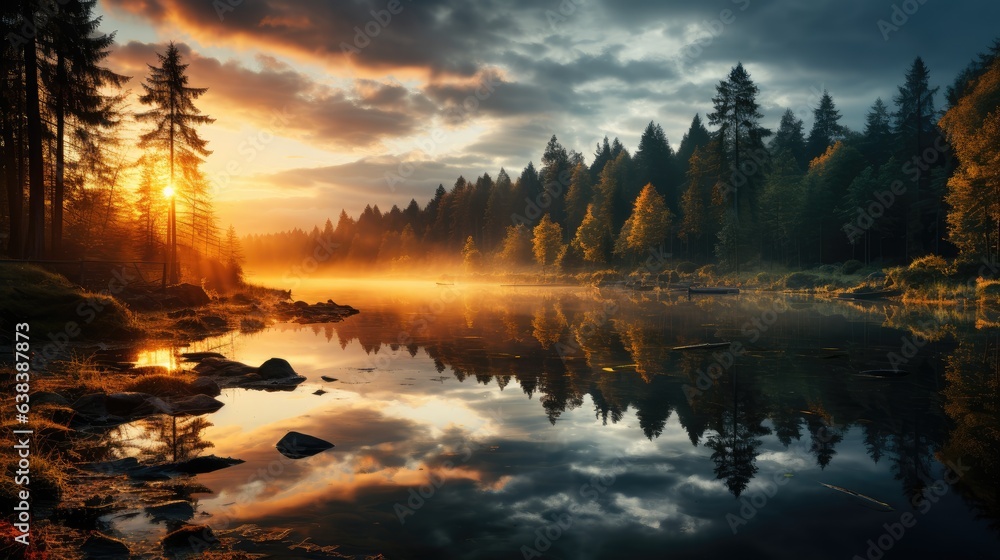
x: 52, y: 305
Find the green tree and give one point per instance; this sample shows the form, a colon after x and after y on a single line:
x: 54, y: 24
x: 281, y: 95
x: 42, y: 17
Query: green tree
x: 877, y: 138
x: 826, y: 127
x: 781, y: 207
x: 654, y: 164
x: 790, y: 140
x: 648, y: 225
x: 697, y: 225
x: 696, y: 137
x: 555, y: 177
x: 546, y: 241
x: 741, y: 145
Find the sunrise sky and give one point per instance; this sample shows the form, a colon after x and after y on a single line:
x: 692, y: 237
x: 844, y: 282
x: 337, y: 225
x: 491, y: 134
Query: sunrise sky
x: 304, y: 129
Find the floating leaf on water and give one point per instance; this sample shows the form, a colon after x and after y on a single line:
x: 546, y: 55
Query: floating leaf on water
x: 880, y: 506
x: 789, y: 475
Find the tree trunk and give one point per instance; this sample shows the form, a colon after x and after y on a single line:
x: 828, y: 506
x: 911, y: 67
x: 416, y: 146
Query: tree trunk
x: 60, y: 186
x: 36, y: 176
x: 15, y: 190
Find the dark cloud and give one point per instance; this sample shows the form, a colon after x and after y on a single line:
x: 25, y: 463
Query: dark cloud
x: 288, y: 102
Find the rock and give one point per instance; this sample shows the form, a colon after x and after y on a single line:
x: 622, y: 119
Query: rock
x: 206, y: 464
x: 177, y: 510
x: 327, y: 378
x: 195, y: 405
x: 205, y: 386
x: 92, y: 406
x: 276, y: 368
x: 319, y: 392
x: 99, y: 545
x: 189, y: 294
x: 117, y: 466
x: 129, y: 404
x: 48, y: 397
x: 223, y: 367
x: 182, y: 313
x: 193, y: 538
x: 297, y: 446
x: 200, y: 356
x: 300, y: 304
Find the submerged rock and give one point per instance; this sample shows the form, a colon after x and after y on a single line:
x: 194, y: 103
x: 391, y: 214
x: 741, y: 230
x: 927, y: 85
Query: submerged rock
x: 197, y: 465
x: 195, y: 405
x: 298, y: 446
x: 99, y: 545
x: 205, y: 386
x: 176, y: 510
x: 193, y: 538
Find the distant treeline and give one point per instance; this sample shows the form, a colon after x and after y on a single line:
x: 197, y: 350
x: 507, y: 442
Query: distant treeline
x: 915, y: 181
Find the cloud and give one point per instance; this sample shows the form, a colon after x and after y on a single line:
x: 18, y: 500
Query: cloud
x: 288, y: 102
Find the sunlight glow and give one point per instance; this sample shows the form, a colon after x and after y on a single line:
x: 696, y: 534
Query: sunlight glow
x: 168, y: 191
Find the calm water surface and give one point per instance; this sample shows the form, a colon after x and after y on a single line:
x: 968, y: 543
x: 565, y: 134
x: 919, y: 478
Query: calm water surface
x: 490, y: 422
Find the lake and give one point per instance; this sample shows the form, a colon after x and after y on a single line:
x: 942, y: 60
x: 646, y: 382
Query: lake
x: 517, y: 422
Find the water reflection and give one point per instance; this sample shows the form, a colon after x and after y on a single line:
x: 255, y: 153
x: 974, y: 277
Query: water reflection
x: 543, y: 388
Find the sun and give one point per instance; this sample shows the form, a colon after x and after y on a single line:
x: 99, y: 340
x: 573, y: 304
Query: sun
x: 168, y: 191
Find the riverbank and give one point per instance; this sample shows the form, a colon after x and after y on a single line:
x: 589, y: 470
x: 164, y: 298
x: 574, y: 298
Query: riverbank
x: 79, y: 392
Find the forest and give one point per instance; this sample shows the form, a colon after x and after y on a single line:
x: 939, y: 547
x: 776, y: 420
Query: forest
x: 75, y: 187
x: 916, y: 181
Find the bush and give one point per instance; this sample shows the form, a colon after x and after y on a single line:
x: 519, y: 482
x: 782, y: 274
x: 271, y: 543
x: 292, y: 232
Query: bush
x: 668, y: 276
x: 922, y: 273
x: 763, y: 279
x: 708, y: 271
x: 827, y: 269
x: 851, y: 266
x: 801, y: 281
x: 686, y: 267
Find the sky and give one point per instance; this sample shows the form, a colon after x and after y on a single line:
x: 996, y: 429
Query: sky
x: 322, y: 106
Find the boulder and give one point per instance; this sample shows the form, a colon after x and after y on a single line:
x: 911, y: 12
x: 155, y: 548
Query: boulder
x: 297, y: 446
x: 205, y: 386
x: 327, y: 378
x: 176, y: 510
x: 200, y: 356
x: 276, y: 368
x: 206, y: 464
x: 99, y: 545
x: 195, y: 405
x: 92, y: 405
x: 129, y: 404
x: 190, y: 538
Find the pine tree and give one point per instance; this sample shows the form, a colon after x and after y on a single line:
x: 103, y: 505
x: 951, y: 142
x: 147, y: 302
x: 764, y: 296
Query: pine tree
x: 654, y: 164
x: 826, y: 127
x: 555, y: 178
x: 516, y: 249
x: 697, y: 223
x: 75, y: 79
x: 601, y: 158
x: 581, y: 191
x: 737, y: 114
x: 696, y: 137
x: 877, y: 138
x: 174, y: 117
x: 790, y: 140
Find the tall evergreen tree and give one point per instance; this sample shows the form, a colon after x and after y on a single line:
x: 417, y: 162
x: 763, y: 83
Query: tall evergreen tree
x: 826, y: 127
x: 696, y: 137
x: 581, y: 191
x: 741, y: 145
x: 555, y: 177
x: 654, y: 164
x: 174, y: 116
x: 877, y: 137
x: 790, y: 140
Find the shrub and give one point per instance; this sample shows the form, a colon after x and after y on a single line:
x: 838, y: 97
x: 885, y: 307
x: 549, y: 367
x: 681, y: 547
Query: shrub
x: 827, y: 269
x: 851, y: 267
x: 708, y: 271
x: 801, y: 281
